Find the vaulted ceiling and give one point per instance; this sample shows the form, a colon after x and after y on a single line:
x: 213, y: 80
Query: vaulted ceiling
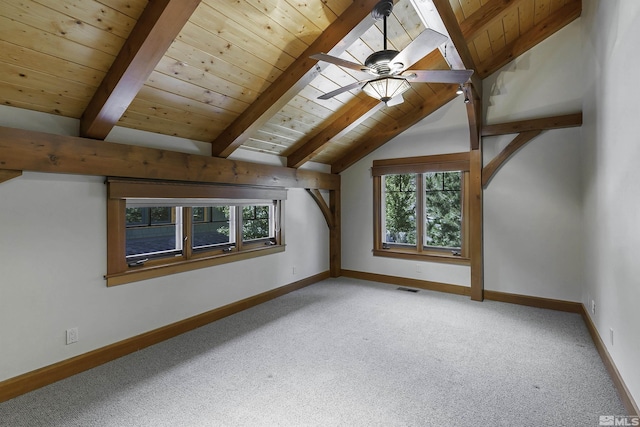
x: 237, y: 73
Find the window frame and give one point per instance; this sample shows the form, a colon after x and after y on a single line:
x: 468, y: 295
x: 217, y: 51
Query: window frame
x: 420, y: 165
x: 186, y: 196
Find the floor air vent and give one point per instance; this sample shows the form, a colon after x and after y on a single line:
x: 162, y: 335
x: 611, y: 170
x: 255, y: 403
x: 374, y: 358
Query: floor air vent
x: 408, y: 290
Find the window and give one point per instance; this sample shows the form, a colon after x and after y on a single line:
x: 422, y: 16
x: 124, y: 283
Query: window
x: 159, y: 228
x: 421, y: 208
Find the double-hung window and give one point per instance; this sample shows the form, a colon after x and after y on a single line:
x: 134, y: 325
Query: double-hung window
x: 421, y: 208
x: 158, y: 228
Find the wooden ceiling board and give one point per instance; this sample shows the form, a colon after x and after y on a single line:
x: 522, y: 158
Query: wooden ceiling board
x: 99, y: 15
x: 237, y: 34
x: 215, y: 46
x: 184, y: 71
x: 32, y: 38
x: 131, y: 8
x: 526, y: 11
x: 316, y: 12
x: 468, y: 7
x: 279, y: 133
x: 336, y: 6
x: 39, y: 100
x: 496, y: 35
x: 179, y: 87
x: 213, y: 121
x: 162, y: 98
x: 542, y: 10
x: 57, y: 67
x: 286, y: 120
x: 182, y: 52
x: 19, y: 76
x: 311, y: 107
x: 266, y: 135
x: 290, y: 18
x: 408, y: 18
x: 262, y: 25
x: 144, y: 122
x: 482, y: 47
x: 556, y: 4
x: 296, y: 117
x: 53, y: 22
x: 511, y: 26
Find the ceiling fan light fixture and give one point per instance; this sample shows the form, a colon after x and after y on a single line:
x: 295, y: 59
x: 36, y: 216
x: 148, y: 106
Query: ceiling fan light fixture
x: 460, y: 90
x: 386, y: 88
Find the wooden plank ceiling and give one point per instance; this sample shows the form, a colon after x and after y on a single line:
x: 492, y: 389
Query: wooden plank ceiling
x: 237, y: 73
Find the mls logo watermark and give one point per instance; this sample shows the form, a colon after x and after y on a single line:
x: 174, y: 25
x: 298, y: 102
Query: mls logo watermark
x: 619, y: 420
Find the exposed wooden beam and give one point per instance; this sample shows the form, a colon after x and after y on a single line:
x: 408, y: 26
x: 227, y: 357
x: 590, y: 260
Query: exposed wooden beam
x: 555, y: 122
x: 324, y: 208
x: 543, y: 29
x: 474, y: 115
x: 453, y: 28
x: 7, y: 174
x: 492, y: 167
x: 475, y: 237
x: 343, y: 32
x: 152, y: 35
x: 481, y: 19
x: 335, y: 234
x: 476, y: 246
x: 381, y: 136
x: 44, y: 152
x: 356, y: 112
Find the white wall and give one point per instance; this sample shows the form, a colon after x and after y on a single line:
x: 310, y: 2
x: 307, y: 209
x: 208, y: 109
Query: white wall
x: 532, y: 208
x: 53, y: 258
x: 611, y: 176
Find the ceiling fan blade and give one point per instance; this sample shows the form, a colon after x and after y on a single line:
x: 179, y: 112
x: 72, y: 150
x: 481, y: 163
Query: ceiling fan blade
x: 438, y: 76
x: 419, y: 48
x: 340, y: 62
x: 396, y: 100
x: 340, y: 90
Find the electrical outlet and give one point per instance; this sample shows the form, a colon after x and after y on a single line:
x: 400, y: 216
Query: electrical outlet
x: 593, y: 307
x: 293, y: 271
x: 418, y: 268
x: 72, y: 335
x: 611, y: 335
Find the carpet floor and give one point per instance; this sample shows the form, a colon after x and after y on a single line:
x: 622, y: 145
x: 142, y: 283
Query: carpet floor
x: 346, y: 352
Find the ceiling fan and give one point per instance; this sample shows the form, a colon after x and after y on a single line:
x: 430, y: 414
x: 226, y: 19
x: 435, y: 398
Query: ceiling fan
x: 389, y: 76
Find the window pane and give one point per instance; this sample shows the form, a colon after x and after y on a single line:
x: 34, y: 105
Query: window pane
x: 255, y: 222
x: 212, y: 226
x: 137, y: 216
x: 443, y: 210
x: 200, y: 214
x: 153, y: 232
x: 160, y: 215
x: 400, y: 209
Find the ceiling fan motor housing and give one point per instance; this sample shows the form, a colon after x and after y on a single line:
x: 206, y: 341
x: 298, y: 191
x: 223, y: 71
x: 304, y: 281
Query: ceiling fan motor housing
x: 382, y: 9
x: 381, y: 62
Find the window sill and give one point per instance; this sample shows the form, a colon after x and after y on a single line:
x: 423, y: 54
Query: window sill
x: 149, y: 272
x: 422, y: 256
